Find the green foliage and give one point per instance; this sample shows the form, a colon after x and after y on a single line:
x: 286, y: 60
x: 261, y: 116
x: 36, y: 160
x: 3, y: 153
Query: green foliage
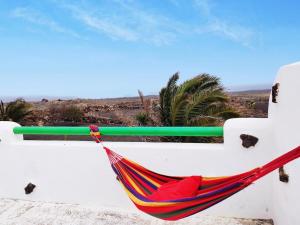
x: 71, y: 113
x: 166, y: 96
x: 15, y: 111
x: 143, y: 118
x: 200, y: 101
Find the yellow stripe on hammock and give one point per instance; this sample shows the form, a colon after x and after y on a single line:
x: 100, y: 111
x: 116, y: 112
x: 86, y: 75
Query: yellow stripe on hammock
x: 142, y: 203
x: 132, y: 182
x: 213, y: 178
x: 143, y: 175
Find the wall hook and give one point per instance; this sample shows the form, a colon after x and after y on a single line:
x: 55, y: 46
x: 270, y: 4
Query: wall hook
x: 283, y: 177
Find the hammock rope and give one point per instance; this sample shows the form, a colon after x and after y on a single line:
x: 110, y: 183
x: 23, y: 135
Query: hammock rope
x: 140, y: 183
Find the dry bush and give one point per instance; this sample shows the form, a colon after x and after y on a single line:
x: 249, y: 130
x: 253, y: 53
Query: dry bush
x: 72, y: 113
x: 69, y: 113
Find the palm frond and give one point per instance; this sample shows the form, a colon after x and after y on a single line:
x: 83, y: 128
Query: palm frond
x: 204, y: 120
x: 200, y: 83
x: 204, y: 103
x: 2, y: 111
x: 200, y: 101
x: 229, y: 114
x: 166, y: 96
x: 178, y: 113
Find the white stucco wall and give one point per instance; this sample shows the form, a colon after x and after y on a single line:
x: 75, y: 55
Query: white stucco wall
x: 79, y: 172
x: 285, y: 126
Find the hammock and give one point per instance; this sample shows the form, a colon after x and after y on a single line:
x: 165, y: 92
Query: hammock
x: 157, y: 194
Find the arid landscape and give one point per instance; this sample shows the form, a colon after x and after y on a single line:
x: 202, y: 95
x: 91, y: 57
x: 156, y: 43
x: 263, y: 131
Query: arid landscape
x: 123, y: 111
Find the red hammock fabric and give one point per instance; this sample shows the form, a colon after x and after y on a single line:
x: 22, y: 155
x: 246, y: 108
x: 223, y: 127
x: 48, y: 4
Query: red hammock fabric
x: 185, y: 188
x: 173, y: 198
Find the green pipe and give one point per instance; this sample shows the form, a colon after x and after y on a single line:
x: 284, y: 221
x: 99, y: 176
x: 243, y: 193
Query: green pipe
x: 124, y: 131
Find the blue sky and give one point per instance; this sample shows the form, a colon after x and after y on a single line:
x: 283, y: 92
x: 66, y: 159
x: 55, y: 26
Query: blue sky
x: 110, y: 48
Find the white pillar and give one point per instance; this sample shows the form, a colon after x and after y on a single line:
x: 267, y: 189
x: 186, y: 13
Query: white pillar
x: 285, y: 116
x: 6, y: 132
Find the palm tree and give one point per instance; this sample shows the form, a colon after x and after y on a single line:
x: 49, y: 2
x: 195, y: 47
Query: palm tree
x: 200, y: 101
x: 15, y: 111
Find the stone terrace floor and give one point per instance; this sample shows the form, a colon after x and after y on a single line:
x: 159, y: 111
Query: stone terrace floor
x: 19, y: 212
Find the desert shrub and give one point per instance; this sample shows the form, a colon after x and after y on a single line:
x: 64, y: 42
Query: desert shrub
x: 143, y: 118
x: 71, y: 113
x: 15, y: 111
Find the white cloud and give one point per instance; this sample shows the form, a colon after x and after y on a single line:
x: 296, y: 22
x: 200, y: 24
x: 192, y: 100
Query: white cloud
x: 36, y: 17
x: 129, y: 21
x: 102, y: 24
x: 220, y: 26
x: 131, y: 24
x: 234, y: 32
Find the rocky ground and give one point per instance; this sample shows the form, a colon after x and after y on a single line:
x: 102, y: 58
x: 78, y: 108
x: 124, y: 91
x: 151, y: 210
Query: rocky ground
x: 251, y: 103
x: 19, y: 212
x: 123, y: 111
x: 111, y: 112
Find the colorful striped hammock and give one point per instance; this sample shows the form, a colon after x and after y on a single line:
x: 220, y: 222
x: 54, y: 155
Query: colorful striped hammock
x: 140, y: 184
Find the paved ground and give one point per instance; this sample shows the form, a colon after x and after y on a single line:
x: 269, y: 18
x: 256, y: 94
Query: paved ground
x: 18, y: 212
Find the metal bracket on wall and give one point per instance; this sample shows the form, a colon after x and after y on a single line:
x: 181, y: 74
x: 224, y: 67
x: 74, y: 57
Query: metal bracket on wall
x: 283, y: 177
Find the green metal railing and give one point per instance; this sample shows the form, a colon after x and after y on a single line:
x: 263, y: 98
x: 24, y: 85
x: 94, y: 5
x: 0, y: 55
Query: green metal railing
x: 124, y: 131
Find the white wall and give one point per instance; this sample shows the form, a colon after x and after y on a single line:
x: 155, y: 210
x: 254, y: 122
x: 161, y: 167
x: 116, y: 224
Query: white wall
x: 79, y: 172
x: 285, y: 126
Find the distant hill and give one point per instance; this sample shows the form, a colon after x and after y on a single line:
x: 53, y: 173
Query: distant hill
x: 264, y: 92
x: 252, y: 91
x: 32, y: 98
